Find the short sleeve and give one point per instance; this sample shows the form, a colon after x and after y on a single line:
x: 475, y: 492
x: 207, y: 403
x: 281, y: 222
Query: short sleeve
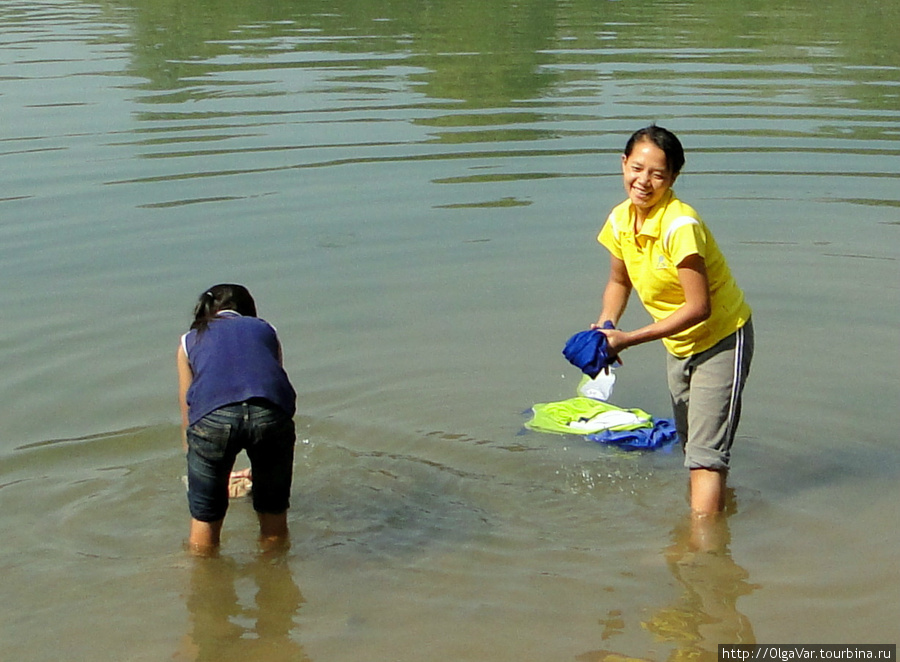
x: 685, y: 236
x: 609, y: 238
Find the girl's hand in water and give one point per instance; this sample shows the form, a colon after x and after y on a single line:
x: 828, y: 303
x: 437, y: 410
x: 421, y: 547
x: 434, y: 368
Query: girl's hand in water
x: 240, y: 483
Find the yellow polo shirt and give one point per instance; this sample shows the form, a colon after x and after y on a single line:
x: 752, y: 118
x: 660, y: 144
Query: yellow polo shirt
x: 672, y: 232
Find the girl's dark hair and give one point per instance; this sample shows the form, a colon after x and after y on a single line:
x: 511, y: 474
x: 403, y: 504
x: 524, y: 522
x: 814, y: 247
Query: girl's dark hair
x: 226, y: 296
x: 665, y: 140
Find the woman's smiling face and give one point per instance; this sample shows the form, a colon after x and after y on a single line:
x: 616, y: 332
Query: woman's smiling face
x: 647, y: 176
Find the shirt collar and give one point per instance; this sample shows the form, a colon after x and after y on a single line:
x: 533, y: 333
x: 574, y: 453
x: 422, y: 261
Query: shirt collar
x: 651, y: 225
x: 228, y: 313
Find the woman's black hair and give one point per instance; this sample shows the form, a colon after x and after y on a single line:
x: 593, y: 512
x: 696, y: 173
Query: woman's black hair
x: 664, y: 139
x: 225, y: 296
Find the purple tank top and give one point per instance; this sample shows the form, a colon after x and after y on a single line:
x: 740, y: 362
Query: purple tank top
x: 234, y: 360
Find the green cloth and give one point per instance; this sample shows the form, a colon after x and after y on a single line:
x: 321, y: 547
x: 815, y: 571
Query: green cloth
x: 582, y: 416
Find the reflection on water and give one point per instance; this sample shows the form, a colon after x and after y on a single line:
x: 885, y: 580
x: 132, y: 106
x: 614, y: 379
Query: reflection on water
x: 710, y: 583
x: 706, y: 614
x: 242, y: 611
x: 412, y: 191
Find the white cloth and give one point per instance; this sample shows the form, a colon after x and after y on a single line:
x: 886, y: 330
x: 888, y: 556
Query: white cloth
x: 599, y: 388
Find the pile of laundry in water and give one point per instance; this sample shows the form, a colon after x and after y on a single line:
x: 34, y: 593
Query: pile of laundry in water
x: 590, y: 415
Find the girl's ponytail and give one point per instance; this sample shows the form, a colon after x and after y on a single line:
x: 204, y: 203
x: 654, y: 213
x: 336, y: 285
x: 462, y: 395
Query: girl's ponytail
x: 225, y: 296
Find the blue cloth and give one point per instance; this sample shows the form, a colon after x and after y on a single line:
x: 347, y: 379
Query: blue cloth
x: 661, y: 435
x: 589, y: 351
x: 236, y: 359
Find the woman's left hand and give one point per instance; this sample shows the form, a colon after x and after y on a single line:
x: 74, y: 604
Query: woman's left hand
x: 616, y: 340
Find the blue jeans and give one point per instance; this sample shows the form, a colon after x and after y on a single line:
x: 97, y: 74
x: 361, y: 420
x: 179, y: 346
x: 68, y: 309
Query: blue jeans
x: 265, y: 432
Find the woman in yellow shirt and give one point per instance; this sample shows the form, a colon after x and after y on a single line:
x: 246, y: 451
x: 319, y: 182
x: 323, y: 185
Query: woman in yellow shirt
x: 661, y: 248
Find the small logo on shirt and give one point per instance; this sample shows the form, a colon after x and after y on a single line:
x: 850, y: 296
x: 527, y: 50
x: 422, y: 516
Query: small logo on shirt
x: 661, y: 262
